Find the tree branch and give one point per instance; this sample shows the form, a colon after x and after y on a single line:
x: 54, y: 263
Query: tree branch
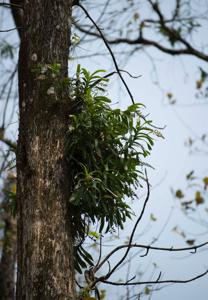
x: 156, y: 281
x: 101, y: 35
x: 133, y: 231
x: 148, y: 42
x: 170, y: 249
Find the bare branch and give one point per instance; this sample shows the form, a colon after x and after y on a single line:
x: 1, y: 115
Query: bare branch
x: 188, y: 49
x: 147, y: 42
x: 9, y: 5
x: 170, y: 249
x: 110, y: 51
x: 10, y: 29
x: 130, y: 240
x: 157, y: 281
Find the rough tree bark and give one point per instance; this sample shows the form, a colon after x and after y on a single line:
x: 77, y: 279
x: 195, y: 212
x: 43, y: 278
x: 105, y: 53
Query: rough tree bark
x: 45, y: 246
x: 8, y: 255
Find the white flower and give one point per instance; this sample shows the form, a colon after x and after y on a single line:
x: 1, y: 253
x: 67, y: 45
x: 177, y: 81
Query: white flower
x: 41, y: 77
x: 34, y: 57
x: 51, y: 90
x: 44, y: 69
x: 158, y: 133
x: 75, y: 39
x: 71, y: 128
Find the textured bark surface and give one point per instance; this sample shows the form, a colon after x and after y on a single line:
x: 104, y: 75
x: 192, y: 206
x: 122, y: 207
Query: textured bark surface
x: 8, y: 258
x: 45, y: 246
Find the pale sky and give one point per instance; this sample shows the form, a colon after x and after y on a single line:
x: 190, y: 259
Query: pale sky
x: 170, y: 159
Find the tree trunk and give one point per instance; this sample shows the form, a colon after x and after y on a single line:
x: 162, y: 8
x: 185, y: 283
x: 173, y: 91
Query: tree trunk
x: 8, y: 256
x: 45, y: 245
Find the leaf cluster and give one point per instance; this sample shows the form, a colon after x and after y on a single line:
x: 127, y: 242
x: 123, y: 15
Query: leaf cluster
x: 105, y: 152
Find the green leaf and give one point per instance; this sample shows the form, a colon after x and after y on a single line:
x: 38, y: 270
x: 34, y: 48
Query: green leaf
x: 94, y: 234
x: 105, y: 152
x: 87, y: 258
x: 152, y: 217
x: 86, y: 74
x: 190, y: 176
x: 102, y: 99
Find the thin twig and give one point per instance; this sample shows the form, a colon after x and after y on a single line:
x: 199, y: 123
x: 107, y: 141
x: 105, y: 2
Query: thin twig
x: 10, y: 29
x: 9, y: 5
x: 110, y: 51
x: 132, y: 234
x: 111, y: 74
x: 157, y: 281
x: 170, y: 249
